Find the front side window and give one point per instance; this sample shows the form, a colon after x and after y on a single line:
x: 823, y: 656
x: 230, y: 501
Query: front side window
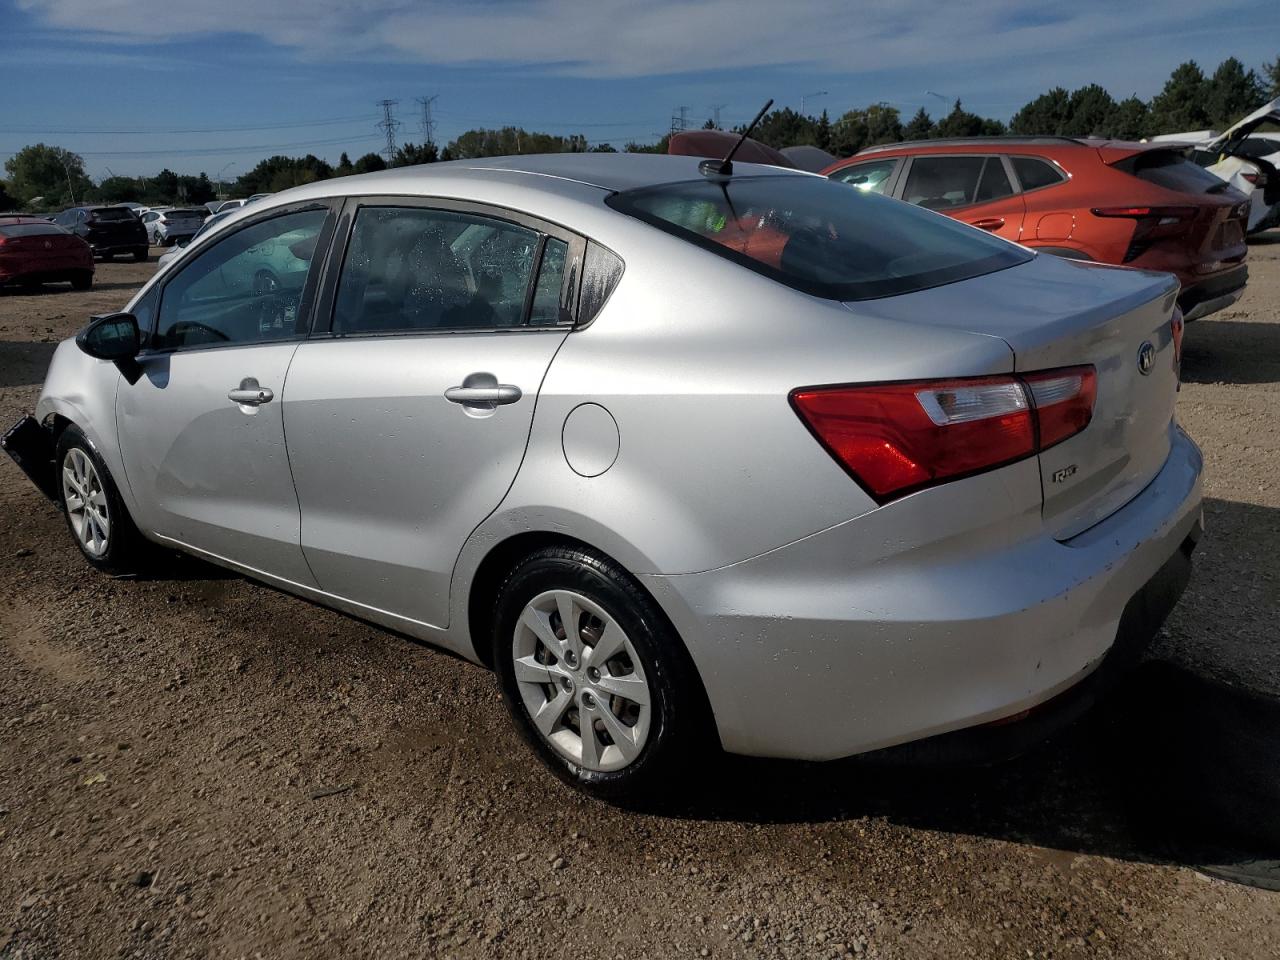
x: 244, y: 288
x: 413, y: 269
x: 870, y: 177
x: 818, y: 236
x: 937, y: 183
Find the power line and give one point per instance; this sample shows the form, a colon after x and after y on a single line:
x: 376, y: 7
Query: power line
x: 715, y: 113
x: 680, y: 120
x: 388, y: 125
x: 88, y: 131
x: 223, y: 150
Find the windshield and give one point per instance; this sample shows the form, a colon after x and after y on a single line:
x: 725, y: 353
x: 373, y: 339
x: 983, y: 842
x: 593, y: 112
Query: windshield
x: 821, y: 237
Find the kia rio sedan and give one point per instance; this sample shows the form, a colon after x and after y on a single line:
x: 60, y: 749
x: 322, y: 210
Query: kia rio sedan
x: 691, y: 460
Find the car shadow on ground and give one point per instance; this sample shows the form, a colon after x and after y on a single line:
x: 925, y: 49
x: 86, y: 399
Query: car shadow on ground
x: 1231, y: 351
x: 24, y: 363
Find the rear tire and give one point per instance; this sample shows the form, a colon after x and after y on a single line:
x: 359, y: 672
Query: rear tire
x: 96, y: 516
x: 641, y: 696
x: 82, y: 281
x: 140, y: 255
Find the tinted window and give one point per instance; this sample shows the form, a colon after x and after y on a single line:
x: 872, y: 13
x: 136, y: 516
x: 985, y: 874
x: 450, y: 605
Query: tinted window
x: 184, y: 214
x: 547, y: 292
x: 937, y: 183
x: 1034, y: 174
x: 31, y: 230
x: 1173, y: 171
x: 995, y: 182
x: 416, y: 269
x: 112, y: 213
x: 1255, y: 147
x: 818, y: 236
x: 872, y: 176
x: 243, y: 288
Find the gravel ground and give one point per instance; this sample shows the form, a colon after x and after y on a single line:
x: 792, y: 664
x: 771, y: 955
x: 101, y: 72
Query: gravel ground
x: 196, y: 766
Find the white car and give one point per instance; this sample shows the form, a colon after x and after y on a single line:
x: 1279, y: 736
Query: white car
x: 168, y: 226
x: 1248, y: 161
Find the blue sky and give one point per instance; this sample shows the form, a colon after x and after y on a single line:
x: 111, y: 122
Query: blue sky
x: 199, y: 86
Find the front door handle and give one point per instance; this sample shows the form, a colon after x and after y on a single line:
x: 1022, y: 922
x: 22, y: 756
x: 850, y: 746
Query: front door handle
x: 481, y: 393
x: 989, y: 223
x: 249, y: 394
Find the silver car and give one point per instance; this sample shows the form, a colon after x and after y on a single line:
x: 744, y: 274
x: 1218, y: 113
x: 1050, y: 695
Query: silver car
x: 690, y: 459
x: 168, y: 226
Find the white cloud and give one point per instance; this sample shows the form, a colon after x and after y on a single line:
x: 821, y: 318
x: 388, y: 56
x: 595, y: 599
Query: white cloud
x: 613, y: 38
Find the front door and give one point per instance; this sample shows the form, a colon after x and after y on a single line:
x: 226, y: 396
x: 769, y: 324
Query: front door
x: 201, y: 428
x: 407, y: 425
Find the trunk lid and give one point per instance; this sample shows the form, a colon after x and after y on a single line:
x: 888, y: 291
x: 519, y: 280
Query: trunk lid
x: 1230, y: 140
x: 1060, y: 313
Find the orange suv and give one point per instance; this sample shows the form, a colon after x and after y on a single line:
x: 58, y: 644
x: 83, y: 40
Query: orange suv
x: 1133, y: 204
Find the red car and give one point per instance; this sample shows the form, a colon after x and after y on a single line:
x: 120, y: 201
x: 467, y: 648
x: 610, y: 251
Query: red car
x: 1134, y: 204
x: 35, y: 251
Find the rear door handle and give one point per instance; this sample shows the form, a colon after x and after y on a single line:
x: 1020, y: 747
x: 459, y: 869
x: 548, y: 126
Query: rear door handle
x: 250, y: 394
x: 989, y: 223
x: 482, y: 391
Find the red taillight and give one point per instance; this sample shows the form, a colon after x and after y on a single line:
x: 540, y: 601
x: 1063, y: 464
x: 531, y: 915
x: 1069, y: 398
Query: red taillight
x: 1163, y: 215
x: 898, y: 437
x: 1064, y: 402
x: 1150, y: 223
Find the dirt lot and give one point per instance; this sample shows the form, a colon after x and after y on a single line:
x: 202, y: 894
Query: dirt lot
x: 169, y: 748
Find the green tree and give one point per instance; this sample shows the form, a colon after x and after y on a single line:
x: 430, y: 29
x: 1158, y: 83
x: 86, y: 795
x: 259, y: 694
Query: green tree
x: 369, y: 163
x: 509, y: 141
x: 411, y: 154
x: 7, y: 200
x: 50, y: 172
x: 1180, y: 106
x: 784, y: 128
x: 344, y: 167
x: 1046, y: 115
x: 1130, y: 120
x: 1272, y: 72
x: 162, y: 188
x: 884, y: 124
x: 659, y: 147
x: 822, y: 132
x: 120, y: 189
x: 849, y: 133
x: 961, y: 123
x: 1091, y: 112
x: 1232, y: 92
x: 920, y: 126
x: 603, y: 148
x: 280, y: 173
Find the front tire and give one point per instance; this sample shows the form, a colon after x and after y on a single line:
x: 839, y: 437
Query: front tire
x: 82, y: 281
x: 593, y: 675
x: 95, y: 514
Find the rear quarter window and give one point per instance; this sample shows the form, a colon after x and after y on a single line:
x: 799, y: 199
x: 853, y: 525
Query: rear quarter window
x: 1034, y: 174
x: 818, y: 236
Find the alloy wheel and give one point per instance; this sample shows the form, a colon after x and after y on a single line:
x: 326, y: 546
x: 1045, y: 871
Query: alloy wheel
x: 581, y: 681
x: 86, y: 502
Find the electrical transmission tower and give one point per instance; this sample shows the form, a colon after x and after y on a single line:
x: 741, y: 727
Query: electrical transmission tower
x: 389, y: 125
x: 680, y: 120
x: 715, y: 113
x: 428, y: 122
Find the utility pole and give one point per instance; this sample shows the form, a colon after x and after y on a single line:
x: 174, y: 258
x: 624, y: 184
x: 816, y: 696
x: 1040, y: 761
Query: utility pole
x: 389, y: 125
x: 428, y: 122
x: 680, y: 120
x: 810, y: 96
x: 715, y: 113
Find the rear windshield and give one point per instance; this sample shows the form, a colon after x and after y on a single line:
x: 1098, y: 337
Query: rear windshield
x: 112, y: 213
x: 185, y: 214
x: 820, y: 237
x: 30, y: 229
x: 1173, y: 171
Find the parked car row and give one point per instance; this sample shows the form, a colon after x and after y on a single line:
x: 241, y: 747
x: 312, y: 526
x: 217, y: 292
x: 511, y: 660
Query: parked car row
x: 34, y: 251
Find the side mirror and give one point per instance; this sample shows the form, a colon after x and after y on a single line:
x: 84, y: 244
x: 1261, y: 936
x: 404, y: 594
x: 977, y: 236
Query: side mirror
x: 112, y: 336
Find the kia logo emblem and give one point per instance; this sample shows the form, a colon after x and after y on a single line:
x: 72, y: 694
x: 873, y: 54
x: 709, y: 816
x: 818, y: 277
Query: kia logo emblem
x: 1146, y: 357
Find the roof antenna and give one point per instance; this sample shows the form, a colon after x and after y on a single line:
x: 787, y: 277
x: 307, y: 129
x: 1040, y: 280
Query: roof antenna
x: 724, y: 168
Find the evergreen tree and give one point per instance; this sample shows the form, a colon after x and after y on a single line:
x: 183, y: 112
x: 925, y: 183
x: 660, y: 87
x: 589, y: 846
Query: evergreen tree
x: 920, y: 127
x: 344, y: 167
x: 961, y: 123
x: 1091, y: 111
x: 884, y: 124
x: 1272, y: 72
x: 1180, y: 106
x: 1046, y: 115
x: 1232, y: 92
x: 822, y: 132
x: 369, y: 163
x: 1130, y: 120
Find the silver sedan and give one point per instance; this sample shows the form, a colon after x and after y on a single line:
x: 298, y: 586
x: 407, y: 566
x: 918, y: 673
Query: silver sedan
x: 691, y: 459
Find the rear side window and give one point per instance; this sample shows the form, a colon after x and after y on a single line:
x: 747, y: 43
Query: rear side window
x: 1171, y: 170
x: 414, y: 269
x: 871, y: 177
x: 995, y: 182
x: 112, y: 213
x: 819, y: 236
x: 937, y: 183
x: 1034, y: 174
x: 31, y: 230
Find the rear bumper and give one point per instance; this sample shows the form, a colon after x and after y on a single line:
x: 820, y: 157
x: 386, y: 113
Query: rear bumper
x: 810, y: 652
x: 1199, y: 299
x: 107, y: 247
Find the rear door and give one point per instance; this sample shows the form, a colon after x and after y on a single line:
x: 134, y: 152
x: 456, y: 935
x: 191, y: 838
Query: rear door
x: 976, y: 189
x: 408, y: 418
